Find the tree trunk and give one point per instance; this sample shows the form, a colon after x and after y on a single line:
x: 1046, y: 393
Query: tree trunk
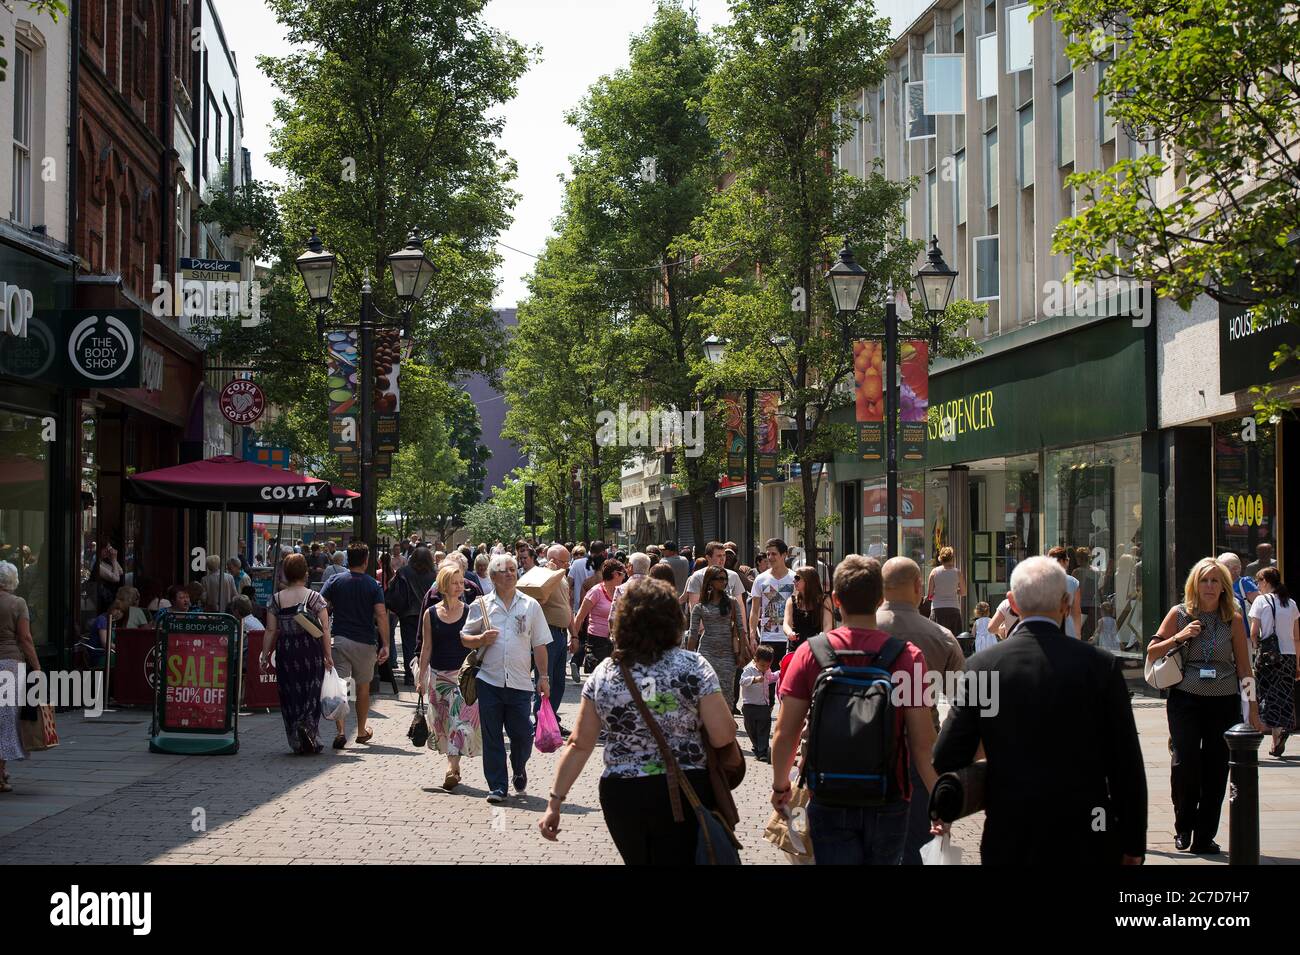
x: 699, y: 489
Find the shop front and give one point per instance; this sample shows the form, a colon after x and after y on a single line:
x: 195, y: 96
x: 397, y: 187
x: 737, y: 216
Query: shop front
x: 1227, y: 466
x: 36, y: 487
x: 1044, y: 440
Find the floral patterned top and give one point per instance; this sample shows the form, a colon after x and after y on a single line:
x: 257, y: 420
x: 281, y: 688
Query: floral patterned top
x: 672, y: 688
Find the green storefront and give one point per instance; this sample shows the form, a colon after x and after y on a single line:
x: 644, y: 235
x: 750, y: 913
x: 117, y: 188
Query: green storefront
x: 1047, y: 438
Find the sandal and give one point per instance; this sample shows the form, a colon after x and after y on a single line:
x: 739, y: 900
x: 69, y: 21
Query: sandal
x: 451, y: 781
x: 340, y: 741
x: 370, y: 734
x: 4, y: 786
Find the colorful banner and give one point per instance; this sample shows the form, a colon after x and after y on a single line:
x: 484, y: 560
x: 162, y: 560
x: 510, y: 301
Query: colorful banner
x: 767, y: 433
x: 914, y: 398
x: 869, y: 395
x: 735, y: 410
x: 342, y: 384
x: 387, y: 401
x: 383, y: 465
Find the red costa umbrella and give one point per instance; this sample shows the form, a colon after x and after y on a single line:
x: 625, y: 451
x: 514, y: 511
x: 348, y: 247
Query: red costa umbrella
x: 228, y: 482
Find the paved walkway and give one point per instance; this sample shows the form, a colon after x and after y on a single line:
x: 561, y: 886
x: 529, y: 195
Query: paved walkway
x: 101, y: 797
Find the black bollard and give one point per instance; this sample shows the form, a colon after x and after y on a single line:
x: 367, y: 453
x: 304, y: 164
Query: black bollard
x: 1243, y: 794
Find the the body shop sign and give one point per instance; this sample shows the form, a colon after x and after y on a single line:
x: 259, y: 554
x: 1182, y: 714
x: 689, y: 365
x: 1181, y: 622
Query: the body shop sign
x: 77, y: 348
x: 199, y: 657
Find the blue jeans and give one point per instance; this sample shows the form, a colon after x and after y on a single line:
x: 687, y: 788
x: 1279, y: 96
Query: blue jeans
x: 502, y: 711
x: 557, y: 654
x: 918, y: 821
x: 857, y: 836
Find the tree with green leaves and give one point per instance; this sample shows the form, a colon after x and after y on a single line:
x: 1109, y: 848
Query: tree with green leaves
x: 1208, y: 89
x: 562, y: 370
x: 646, y: 170
x: 776, y: 105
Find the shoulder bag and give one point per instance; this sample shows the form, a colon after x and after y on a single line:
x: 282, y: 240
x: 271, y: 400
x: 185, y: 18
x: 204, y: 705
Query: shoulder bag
x: 468, y: 677
x: 1270, y: 648
x: 1166, y: 671
x: 306, y: 618
x: 418, y: 733
x: 717, y: 843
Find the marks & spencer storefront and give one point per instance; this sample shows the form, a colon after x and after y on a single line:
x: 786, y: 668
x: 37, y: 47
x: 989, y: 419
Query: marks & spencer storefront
x: 1048, y: 438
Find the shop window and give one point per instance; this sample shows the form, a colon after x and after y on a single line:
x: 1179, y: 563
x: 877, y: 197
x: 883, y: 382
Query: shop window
x: 1004, y: 523
x: 1020, y: 38
x: 24, y: 515
x: 1094, y: 510
x: 1245, y: 487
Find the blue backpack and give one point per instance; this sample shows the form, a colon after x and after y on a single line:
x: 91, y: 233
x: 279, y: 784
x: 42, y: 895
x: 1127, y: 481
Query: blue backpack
x: 852, y: 744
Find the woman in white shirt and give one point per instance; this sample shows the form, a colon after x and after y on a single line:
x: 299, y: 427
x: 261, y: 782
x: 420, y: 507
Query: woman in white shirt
x: 1274, y: 630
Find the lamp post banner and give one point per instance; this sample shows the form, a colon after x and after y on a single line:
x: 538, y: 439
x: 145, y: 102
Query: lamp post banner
x: 914, y: 397
x: 735, y: 437
x: 768, y: 435
x: 869, y: 395
x: 388, y: 396
x: 342, y: 384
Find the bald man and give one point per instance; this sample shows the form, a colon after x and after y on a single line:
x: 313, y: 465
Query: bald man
x: 558, y: 609
x: 898, y: 615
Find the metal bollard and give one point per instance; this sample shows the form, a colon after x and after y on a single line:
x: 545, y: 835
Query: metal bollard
x: 1243, y: 794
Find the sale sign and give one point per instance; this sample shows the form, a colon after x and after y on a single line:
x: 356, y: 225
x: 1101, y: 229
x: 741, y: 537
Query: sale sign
x: 198, y: 659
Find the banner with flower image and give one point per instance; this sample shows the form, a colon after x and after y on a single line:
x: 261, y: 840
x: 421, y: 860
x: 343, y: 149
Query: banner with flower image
x: 914, y: 398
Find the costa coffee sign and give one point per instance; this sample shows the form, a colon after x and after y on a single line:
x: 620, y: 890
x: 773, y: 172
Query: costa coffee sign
x: 242, y: 402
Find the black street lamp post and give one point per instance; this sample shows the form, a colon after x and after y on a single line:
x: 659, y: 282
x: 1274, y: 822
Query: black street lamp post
x: 934, y: 282
x: 412, y: 271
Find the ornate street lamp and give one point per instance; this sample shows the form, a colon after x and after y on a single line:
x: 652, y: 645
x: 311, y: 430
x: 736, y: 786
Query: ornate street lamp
x: 846, y: 280
x: 318, y: 269
x: 934, y: 284
x: 412, y: 271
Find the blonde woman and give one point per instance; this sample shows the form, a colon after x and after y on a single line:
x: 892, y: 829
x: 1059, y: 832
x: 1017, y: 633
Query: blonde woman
x: 945, y: 590
x: 1210, y: 635
x: 456, y: 731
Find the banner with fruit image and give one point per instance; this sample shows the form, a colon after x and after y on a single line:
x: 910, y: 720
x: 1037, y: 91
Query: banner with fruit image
x: 767, y: 434
x: 388, y: 397
x: 869, y: 394
x: 735, y: 411
x: 341, y: 372
x: 913, y: 398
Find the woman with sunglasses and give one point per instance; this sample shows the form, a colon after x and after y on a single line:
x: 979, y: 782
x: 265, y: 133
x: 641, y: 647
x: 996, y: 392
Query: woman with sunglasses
x: 598, y: 604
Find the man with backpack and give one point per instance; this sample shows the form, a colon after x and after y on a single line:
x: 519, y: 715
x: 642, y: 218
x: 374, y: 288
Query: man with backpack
x: 860, y: 744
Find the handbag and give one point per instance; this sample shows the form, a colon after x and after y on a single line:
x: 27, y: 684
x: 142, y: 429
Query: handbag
x: 418, y: 734
x: 1166, y: 671
x: 36, y: 728
x: 1270, y: 648
x: 468, y: 676
x: 717, y: 843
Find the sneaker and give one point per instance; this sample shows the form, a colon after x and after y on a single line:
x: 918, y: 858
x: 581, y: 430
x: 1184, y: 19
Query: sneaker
x: 495, y: 797
x: 521, y: 783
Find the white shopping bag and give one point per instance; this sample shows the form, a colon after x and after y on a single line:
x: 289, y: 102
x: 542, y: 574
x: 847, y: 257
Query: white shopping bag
x: 941, y: 851
x: 333, y: 696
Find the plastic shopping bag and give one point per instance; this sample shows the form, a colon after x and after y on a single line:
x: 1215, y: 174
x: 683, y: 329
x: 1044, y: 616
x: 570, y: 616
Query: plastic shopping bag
x: 941, y: 851
x: 547, y: 738
x: 333, y: 696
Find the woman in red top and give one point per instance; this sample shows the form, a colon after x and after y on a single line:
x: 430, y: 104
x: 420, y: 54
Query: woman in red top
x: 597, y: 605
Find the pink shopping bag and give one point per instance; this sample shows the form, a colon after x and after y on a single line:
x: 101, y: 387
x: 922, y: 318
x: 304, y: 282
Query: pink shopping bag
x: 547, y: 738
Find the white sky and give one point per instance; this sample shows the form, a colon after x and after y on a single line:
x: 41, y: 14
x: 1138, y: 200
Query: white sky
x: 581, y: 41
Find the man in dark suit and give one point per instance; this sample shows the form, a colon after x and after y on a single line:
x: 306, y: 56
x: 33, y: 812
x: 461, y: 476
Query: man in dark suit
x: 1066, y: 782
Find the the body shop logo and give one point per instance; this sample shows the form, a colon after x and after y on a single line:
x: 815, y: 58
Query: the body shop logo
x: 242, y: 402
x: 101, y: 353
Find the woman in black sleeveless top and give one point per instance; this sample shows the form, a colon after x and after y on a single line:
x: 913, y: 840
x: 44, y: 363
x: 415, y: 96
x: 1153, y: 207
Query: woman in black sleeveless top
x: 809, y: 613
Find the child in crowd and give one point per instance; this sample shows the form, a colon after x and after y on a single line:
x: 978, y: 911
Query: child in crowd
x: 1107, y: 636
x: 755, y: 708
x: 983, y: 638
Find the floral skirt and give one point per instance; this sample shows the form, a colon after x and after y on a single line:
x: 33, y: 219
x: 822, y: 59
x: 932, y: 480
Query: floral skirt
x: 455, y: 730
x: 11, y: 747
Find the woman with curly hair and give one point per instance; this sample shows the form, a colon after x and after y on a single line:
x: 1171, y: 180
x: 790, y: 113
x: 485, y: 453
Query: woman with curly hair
x: 682, y: 693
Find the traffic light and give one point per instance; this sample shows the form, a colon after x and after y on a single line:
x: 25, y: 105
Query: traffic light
x: 530, y: 505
